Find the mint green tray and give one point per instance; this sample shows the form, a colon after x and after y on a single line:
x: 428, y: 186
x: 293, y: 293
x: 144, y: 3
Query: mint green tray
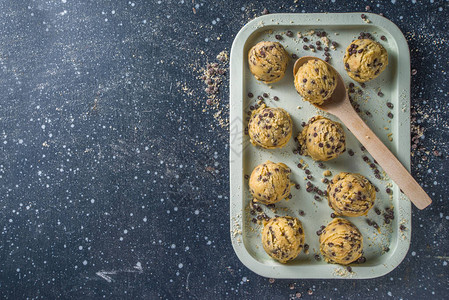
x: 395, y: 85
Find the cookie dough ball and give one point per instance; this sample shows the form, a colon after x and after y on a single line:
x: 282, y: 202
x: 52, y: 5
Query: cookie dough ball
x: 315, y: 81
x: 351, y: 194
x: 270, y: 182
x: 341, y: 242
x: 322, y: 139
x: 268, y: 61
x: 365, y: 59
x: 283, y: 238
x: 270, y: 127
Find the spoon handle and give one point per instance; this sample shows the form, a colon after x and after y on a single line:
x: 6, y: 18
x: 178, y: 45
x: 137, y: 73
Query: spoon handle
x: 390, y: 164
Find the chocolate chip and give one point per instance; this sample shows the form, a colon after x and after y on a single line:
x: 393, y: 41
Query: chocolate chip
x: 299, y: 165
x: 276, y: 98
x: 326, y: 49
x: 301, y: 213
x: 305, y: 47
x: 377, y: 211
x: 305, y: 40
x: 402, y: 227
x: 380, y: 94
x: 349, y: 269
x: 289, y: 33
x: 390, y: 105
x: 362, y: 148
x: 278, y: 37
x: 297, y: 186
x: 246, y: 176
x: 333, y: 215
x: 335, y: 44
x: 327, y: 59
x: 265, y: 95
x: 347, y: 66
x: 304, y: 80
x: 309, y: 177
x: 250, y: 95
x: 294, y: 56
x: 361, y: 260
x: 319, y: 232
x: 317, y: 257
x: 260, y: 97
x: 383, y: 38
x: 390, y: 115
x: 307, y: 171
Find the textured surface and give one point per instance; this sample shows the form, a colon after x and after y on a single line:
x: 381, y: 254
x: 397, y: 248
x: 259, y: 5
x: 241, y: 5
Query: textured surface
x: 114, y: 170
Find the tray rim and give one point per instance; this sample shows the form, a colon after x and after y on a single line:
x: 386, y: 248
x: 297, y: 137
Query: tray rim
x: 236, y: 157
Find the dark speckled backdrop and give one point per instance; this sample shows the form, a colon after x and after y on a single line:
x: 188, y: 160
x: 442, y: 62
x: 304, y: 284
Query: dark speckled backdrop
x: 114, y: 171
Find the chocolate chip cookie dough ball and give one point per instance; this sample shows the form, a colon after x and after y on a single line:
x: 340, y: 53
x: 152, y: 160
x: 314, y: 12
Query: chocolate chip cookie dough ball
x: 322, y: 139
x: 365, y: 59
x: 351, y: 194
x: 270, y: 182
x: 270, y: 127
x: 315, y: 81
x: 341, y: 242
x: 283, y: 238
x: 268, y: 61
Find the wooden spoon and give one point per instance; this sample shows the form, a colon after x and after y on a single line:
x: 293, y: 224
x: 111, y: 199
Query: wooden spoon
x: 338, y: 104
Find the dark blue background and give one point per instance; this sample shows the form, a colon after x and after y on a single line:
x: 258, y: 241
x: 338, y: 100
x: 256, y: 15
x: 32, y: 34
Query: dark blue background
x: 114, y: 172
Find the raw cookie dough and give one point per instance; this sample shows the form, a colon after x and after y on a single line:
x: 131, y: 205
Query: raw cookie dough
x: 268, y: 61
x: 365, y: 59
x: 270, y: 127
x: 283, y: 238
x: 315, y: 81
x: 322, y: 139
x: 341, y: 242
x: 350, y: 194
x: 270, y: 182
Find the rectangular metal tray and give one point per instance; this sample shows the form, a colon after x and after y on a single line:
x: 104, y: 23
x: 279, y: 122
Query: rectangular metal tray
x: 395, y: 85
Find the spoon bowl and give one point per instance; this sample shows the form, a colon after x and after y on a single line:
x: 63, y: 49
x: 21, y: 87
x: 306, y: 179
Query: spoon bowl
x: 339, y: 105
